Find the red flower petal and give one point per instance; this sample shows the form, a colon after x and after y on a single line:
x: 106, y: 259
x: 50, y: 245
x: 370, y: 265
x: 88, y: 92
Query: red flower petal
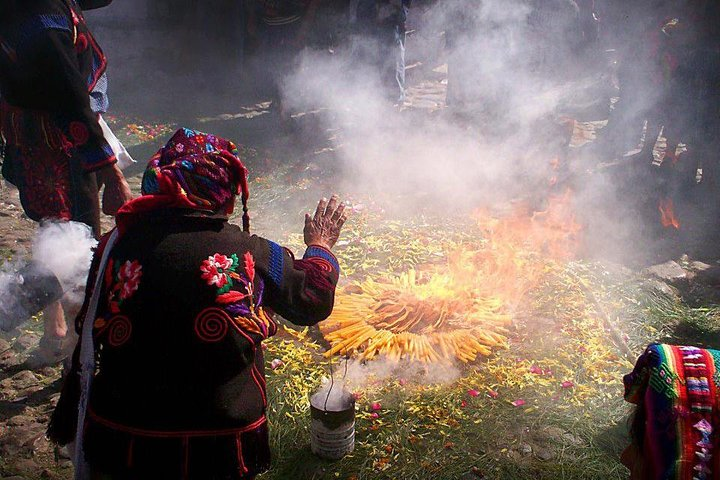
x: 567, y: 384
x: 518, y: 403
x: 375, y: 406
x: 231, y: 297
x: 473, y: 393
x: 493, y: 394
x: 250, y: 266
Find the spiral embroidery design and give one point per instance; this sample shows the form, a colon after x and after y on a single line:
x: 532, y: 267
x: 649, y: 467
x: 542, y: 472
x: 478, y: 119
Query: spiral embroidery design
x: 238, y: 294
x: 119, y: 330
x: 324, y: 265
x: 211, y: 325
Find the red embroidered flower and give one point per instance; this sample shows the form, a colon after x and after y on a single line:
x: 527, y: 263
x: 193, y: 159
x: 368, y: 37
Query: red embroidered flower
x: 79, y: 133
x: 129, y: 276
x: 130, y: 271
x: 221, y: 261
x: 213, y: 270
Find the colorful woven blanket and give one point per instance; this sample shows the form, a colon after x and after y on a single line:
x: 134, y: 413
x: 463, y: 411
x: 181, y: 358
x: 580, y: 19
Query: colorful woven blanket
x: 677, y: 389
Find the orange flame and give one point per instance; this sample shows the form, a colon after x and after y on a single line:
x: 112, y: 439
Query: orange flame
x: 667, y: 213
x: 462, y: 308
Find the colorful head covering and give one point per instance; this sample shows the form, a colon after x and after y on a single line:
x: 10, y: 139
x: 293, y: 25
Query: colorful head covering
x: 194, y: 170
x: 676, y: 390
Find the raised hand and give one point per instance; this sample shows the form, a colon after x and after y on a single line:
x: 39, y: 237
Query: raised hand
x: 323, y: 229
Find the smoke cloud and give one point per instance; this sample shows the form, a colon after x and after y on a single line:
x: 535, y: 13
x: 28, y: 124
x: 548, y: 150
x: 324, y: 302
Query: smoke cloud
x: 358, y: 374
x: 61, y: 256
x: 65, y: 248
x: 505, y: 81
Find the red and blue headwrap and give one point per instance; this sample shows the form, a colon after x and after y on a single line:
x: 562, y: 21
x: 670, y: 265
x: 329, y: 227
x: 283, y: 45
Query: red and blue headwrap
x: 193, y: 170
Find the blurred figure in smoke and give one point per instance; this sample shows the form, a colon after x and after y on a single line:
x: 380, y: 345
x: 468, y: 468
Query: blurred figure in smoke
x: 204, y: 33
x: 674, y: 428
x: 379, y: 40
x: 589, y: 24
x: 178, y: 304
x: 278, y: 31
x: 556, y: 35
x: 53, y: 87
x: 474, y: 29
x: 461, y: 29
x: 690, y: 112
x: 540, y: 39
x: 633, y: 29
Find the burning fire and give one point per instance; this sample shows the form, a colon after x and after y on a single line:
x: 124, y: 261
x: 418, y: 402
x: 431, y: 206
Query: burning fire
x: 667, y: 213
x: 463, y: 308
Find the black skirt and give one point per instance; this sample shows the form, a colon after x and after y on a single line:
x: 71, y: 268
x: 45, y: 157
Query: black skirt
x: 129, y: 452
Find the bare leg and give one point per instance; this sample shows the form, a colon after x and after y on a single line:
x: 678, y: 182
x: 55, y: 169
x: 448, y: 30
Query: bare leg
x: 55, y: 324
x: 55, y: 343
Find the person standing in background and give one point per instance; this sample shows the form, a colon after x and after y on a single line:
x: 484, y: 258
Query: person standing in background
x: 380, y: 30
x: 278, y: 30
x: 462, y: 27
x: 53, y: 87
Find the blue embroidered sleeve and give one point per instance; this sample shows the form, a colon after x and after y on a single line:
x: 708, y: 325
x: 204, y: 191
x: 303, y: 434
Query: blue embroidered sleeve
x: 276, y: 264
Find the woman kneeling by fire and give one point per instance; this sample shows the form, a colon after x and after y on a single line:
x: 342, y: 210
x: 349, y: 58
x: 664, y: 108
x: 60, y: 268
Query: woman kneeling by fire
x: 674, y: 430
x: 177, y: 305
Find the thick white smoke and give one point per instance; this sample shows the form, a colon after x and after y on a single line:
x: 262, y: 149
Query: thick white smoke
x: 494, y: 157
x: 62, y: 249
x: 65, y: 248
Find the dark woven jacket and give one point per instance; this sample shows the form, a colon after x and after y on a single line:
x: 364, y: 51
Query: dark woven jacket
x: 180, y: 388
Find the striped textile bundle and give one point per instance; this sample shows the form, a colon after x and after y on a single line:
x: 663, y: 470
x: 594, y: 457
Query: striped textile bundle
x: 676, y: 389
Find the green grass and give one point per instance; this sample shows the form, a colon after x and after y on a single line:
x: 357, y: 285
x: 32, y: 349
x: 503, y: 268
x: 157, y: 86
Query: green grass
x: 425, y: 431
x: 681, y: 323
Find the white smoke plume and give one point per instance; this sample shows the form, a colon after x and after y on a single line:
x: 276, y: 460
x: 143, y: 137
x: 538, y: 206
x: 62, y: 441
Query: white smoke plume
x: 65, y: 248
x: 355, y: 374
x: 488, y: 160
x: 332, y: 397
x: 60, y: 249
x: 9, y: 280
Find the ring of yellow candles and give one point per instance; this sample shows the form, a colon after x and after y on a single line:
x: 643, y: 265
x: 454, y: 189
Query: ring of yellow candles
x: 419, y: 317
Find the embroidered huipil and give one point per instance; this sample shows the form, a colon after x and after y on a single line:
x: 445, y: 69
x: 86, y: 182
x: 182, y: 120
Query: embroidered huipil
x: 185, y: 305
x: 52, y: 85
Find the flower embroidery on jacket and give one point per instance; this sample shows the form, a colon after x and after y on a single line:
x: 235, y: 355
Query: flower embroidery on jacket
x: 239, y: 291
x: 123, y: 283
x: 129, y: 276
x: 218, y: 271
